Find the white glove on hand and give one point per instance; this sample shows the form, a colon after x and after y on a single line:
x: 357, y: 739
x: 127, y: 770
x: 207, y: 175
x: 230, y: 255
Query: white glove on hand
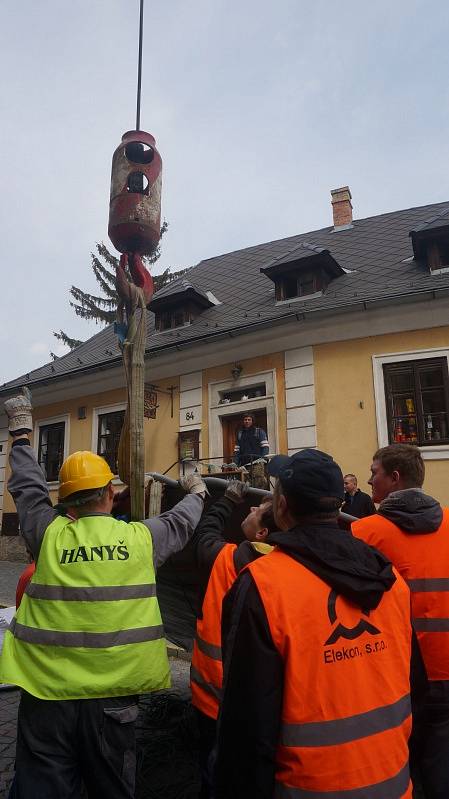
x: 19, y: 410
x: 193, y: 484
x: 236, y: 491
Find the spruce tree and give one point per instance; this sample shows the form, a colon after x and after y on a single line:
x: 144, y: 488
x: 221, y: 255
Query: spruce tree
x: 101, y: 308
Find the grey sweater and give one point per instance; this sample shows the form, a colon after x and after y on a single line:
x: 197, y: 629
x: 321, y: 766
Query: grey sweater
x: 170, y: 531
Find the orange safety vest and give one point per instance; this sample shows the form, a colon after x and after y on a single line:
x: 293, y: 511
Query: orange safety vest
x: 206, y: 673
x: 346, y: 714
x: 423, y: 561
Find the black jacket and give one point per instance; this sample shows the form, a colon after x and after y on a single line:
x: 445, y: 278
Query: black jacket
x: 251, y: 444
x: 208, y: 541
x: 359, y: 505
x: 248, y: 727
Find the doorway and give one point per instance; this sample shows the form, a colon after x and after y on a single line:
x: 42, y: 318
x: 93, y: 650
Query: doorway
x: 231, y: 424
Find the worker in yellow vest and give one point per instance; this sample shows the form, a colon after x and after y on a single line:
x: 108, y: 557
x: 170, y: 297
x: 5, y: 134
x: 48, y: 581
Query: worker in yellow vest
x: 88, y: 636
x: 316, y: 656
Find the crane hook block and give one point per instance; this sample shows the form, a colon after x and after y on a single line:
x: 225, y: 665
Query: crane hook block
x: 135, y: 203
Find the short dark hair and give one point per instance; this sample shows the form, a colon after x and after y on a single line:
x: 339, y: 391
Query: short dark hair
x: 251, y: 416
x: 322, y: 507
x: 405, y: 459
x: 85, y: 499
x: 268, y: 517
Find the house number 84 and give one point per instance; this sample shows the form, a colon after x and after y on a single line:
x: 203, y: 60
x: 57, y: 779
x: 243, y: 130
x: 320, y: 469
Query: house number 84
x: 189, y: 416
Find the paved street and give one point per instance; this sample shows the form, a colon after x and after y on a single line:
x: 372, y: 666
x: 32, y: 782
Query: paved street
x: 9, y: 574
x: 9, y: 702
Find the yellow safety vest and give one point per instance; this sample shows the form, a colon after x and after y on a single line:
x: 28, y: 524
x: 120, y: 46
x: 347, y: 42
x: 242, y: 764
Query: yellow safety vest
x: 89, y: 623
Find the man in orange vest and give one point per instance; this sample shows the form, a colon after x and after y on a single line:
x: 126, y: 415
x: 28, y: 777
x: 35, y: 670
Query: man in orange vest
x: 219, y: 564
x: 412, y: 530
x: 316, y: 639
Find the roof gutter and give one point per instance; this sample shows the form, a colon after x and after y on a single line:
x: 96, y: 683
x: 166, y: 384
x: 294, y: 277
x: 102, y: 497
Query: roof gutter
x: 300, y: 316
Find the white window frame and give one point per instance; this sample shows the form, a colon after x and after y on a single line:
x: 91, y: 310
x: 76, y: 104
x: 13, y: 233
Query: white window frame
x: 36, y: 435
x: 430, y: 453
x: 96, y: 413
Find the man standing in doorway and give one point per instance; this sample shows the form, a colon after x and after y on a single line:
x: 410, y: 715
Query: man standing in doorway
x: 356, y: 502
x: 251, y: 443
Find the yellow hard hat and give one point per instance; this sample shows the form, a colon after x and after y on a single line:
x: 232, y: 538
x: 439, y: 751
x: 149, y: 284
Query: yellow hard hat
x: 82, y: 471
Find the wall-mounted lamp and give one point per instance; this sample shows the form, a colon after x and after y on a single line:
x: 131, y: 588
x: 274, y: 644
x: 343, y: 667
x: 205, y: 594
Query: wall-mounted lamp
x: 236, y: 371
x: 82, y: 412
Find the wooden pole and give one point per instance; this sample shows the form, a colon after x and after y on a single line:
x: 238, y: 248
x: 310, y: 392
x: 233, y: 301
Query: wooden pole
x: 131, y: 456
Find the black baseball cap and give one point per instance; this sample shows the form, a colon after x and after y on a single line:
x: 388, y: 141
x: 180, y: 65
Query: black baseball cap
x: 310, y: 474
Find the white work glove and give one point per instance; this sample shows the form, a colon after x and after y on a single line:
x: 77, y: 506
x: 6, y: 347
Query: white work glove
x: 19, y: 410
x: 236, y: 491
x: 193, y: 484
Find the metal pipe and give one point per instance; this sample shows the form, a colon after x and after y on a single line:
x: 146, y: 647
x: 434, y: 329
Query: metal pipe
x: 217, y: 482
x: 139, y: 67
x: 213, y: 482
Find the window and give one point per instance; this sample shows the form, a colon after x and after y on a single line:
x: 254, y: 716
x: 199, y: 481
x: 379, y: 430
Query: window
x: 417, y: 401
x: 243, y: 394
x: 438, y: 254
x: 109, y: 429
x: 299, y: 285
x: 175, y: 317
x: 50, y: 453
x: 189, y: 444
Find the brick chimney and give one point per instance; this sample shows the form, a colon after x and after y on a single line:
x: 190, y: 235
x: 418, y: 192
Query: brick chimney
x: 342, y: 208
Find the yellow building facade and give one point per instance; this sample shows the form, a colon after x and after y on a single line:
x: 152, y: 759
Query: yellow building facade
x: 326, y: 395
x: 337, y: 339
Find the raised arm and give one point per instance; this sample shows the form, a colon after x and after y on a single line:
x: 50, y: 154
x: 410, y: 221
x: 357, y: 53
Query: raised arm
x: 27, y: 484
x: 172, y: 530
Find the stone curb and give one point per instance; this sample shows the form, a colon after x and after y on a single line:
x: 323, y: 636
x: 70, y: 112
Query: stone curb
x: 174, y: 651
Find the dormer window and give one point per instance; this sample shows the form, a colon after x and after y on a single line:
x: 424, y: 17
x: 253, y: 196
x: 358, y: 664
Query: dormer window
x: 438, y: 255
x: 431, y: 243
x: 178, y: 304
x: 299, y: 285
x: 176, y: 317
x: 304, y: 271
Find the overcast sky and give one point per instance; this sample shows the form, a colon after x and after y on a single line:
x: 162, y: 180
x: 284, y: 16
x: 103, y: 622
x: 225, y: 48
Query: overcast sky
x: 259, y: 108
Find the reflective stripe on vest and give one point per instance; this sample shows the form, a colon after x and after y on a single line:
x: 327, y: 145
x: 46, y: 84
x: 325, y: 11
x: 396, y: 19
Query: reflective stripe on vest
x: 206, y: 674
x: 90, y: 593
x: 340, y: 731
x: 346, y: 713
x: 422, y: 560
x: 89, y: 623
x: 393, y: 788
x: 33, y: 635
x: 209, y: 687
x: 210, y: 650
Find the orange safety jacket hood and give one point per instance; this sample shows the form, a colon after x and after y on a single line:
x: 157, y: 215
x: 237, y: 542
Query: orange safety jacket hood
x: 413, y: 511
